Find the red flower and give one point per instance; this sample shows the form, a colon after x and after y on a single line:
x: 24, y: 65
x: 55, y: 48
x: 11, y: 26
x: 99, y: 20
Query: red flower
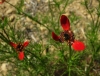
x: 68, y: 35
x: 2, y: 1
x: 20, y: 48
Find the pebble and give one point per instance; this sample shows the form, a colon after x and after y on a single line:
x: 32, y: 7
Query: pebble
x: 4, y: 68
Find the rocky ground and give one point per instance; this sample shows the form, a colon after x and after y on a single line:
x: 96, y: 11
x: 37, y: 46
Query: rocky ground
x: 34, y: 6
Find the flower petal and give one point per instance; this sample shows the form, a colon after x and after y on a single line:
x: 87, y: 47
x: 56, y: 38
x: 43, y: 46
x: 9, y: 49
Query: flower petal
x: 13, y: 44
x: 65, y: 22
x: 25, y: 43
x: 78, y: 46
x: 21, y: 55
x: 55, y: 37
x: 2, y: 1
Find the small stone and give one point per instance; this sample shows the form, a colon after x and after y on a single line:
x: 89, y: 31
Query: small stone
x: 4, y: 68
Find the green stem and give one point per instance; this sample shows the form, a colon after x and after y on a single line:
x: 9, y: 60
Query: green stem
x: 89, y: 68
x: 70, y: 53
x: 92, y: 59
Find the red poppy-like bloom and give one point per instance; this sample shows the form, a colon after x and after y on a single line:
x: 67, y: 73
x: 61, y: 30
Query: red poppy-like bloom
x: 2, y: 1
x: 68, y: 35
x: 20, y: 48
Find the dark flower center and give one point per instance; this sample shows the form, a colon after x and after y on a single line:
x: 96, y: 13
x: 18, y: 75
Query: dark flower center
x: 20, y: 47
x: 66, y: 37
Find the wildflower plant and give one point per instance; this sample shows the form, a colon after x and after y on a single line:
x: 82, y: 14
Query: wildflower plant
x: 68, y: 35
x: 20, y: 48
x: 38, y: 51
